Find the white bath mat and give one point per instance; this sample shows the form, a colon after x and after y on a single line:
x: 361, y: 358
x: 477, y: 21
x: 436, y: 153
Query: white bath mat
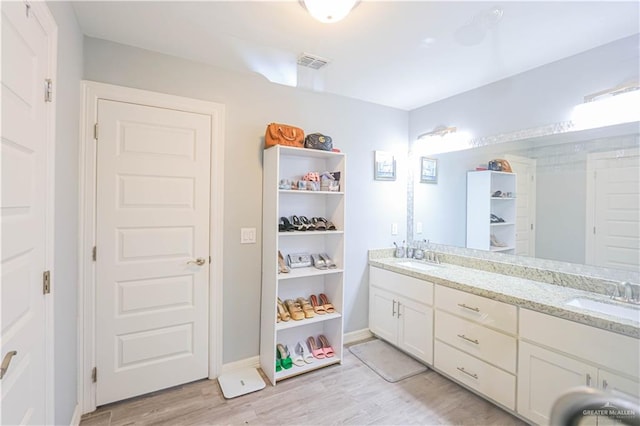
x: 388, y: 362
x: 240, y: 382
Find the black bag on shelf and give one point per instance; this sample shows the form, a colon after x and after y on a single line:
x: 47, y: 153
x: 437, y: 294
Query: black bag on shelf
x: 318, y: 141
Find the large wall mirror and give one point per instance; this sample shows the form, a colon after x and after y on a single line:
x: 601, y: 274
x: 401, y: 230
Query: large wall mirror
x: 577, y: 195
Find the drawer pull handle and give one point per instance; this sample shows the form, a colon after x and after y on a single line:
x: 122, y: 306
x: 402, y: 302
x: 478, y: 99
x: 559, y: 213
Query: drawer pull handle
x: 398, y: 309
x: 462, y: 305
x: 588, y: 379
x: 605, y: 384
x: 462, y: 336
x: 393, y: 310
x: 475, y: 376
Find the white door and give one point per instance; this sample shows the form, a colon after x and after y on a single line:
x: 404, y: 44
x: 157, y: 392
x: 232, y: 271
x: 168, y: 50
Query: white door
x: 25, y: 62
x: 415, y: 332
x: 613, y: 209
x: 152, y: 236
x: 382, y: 314
x: 525, y: 170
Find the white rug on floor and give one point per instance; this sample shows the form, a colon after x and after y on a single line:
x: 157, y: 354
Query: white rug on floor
x: 388, y: 362
x: 240, y: 382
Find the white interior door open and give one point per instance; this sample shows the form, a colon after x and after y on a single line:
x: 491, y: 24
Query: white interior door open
x: 152, y: 236
x: 613, y: 209
x: 26, y: 206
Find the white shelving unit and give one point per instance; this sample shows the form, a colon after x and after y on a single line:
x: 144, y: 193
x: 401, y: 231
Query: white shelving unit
x: 282, y: 162
x: 481, y: 185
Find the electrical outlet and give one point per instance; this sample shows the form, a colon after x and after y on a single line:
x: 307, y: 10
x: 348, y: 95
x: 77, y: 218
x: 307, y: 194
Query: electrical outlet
x: 394, y: 229
x: 419, y: 228
x: 247, y: 235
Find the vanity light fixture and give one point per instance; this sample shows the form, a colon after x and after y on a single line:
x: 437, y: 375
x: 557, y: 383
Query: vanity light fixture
x: 329, y: 11
x: 618, y: 105
x: 443, y: 139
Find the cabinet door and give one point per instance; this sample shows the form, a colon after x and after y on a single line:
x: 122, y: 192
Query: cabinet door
x: 383, y: 310
x: 415, y: 329
x: 545, y: 375
x: 612, y: 382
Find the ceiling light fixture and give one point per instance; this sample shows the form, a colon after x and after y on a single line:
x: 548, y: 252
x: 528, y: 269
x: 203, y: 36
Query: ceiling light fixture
x: 329, y: 11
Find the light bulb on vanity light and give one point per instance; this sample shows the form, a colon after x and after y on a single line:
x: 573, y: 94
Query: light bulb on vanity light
x: 608, y: 108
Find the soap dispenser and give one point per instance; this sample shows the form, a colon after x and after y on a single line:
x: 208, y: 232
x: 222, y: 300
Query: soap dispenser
x: 399, y: 250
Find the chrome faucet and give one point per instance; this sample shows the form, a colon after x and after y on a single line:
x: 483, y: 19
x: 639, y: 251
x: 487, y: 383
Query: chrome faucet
x: 626, y: 292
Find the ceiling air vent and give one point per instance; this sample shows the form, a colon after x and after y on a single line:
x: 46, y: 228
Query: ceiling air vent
x: 312, y: 61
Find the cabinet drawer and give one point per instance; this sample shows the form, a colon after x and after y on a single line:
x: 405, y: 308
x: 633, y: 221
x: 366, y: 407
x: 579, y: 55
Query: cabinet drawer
x: 482, y: 310
x: 582, y: 341
x: 489, y: 345
x: 478, y: 375
x: 403, y: 285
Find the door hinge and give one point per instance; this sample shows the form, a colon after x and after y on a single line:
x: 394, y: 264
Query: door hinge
x: 48, y: 90
x: 27, y: 7
x: 94, y: 253
x: 594, y: 230
x: 94, y: 374
x: 209, y: 259
x: 532, y: 226
x: 95, y: 131
x: 46, y: 282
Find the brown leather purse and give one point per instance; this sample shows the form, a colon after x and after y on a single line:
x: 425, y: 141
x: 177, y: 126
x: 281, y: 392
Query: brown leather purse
x: 283, y: 134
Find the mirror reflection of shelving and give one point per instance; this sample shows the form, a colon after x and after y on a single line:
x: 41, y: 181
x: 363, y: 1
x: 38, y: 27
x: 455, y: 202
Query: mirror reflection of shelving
x: 491, y: 211
x: 286, y: 165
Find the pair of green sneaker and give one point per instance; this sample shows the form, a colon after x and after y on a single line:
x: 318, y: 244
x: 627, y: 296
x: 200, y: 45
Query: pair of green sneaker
x: 283, y: 359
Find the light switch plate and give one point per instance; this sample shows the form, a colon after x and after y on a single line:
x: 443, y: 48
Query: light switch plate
x: 419, y: 228
x: 247, y: 235
x: 394, y: 229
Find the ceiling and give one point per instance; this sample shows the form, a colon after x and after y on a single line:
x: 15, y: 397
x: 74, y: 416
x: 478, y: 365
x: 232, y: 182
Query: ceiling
x: 395, y: 53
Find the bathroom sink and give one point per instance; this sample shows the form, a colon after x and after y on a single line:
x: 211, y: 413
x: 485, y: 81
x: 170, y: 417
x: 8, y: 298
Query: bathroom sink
x: 423, y: 266
x: 631, y: 312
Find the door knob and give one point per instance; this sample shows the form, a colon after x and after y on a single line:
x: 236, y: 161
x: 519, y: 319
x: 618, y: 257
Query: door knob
x: 5, y: 362
x: 199, y: 261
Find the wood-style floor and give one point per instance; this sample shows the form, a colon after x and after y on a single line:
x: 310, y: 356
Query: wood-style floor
x: 349, y: 393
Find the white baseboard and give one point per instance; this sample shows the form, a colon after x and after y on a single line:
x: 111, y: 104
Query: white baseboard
x: 77, y: 416
x: 356, y: 336
x: 253, y: 362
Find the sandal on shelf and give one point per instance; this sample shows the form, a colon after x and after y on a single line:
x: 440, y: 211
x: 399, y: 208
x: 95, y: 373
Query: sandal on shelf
x: 329, y: 226
x: 278, y: 362
x: 319, y: 224
x: 285, y: 225
x: 298, y: 358
x: 285, y: 358
x: 297, y: 225
x: 496, y: 243
x: 305, y: 221
x: 294, y: 309
x: 326, y: 347
x: 282, y: 311
x: 282, y: 266
x: 318, y: 308
x: 306, y: 307
x: 496, y: 219
x: 328, y: 307
x: 315, y: 350
x: 318, y: 261
x: 302, y: 349
x: 327, y: 261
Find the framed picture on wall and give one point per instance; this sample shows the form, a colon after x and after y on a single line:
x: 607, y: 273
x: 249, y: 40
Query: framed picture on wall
x: 428, y: 170
x: 384, y: 166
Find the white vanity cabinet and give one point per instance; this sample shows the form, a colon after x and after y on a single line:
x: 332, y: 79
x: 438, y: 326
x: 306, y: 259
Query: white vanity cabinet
x: 556, y: 355
x: 476, y: 343
x: 400, y: 312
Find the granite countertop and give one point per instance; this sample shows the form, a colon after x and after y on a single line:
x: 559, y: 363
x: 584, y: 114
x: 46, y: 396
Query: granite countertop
x: 534, y: 295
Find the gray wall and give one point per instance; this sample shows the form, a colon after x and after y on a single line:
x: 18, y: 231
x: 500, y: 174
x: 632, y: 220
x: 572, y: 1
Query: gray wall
x: 358, y: 128
x: 67, y: 98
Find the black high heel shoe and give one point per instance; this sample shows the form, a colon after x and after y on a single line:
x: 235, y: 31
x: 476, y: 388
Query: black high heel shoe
x: 307, y: 223
x: 285, y: 225
x: 297, y: 225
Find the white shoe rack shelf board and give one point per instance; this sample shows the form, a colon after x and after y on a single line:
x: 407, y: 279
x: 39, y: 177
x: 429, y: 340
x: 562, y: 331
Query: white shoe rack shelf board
x: 289, y: 163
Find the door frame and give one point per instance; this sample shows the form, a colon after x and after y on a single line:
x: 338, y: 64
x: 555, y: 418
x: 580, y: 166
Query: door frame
x: 91, y: 93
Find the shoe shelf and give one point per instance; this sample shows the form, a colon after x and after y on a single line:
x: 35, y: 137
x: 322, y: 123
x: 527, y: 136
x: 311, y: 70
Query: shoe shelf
x: 281, y: 163
x: 308, y: 272
x: 283, y: 325
x: 483, y: 207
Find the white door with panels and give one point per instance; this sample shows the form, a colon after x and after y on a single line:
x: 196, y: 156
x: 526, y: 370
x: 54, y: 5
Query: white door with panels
x: 27, y: 142
x: 525, y: 169
x: 613, y: 209
x: 152, y: 248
